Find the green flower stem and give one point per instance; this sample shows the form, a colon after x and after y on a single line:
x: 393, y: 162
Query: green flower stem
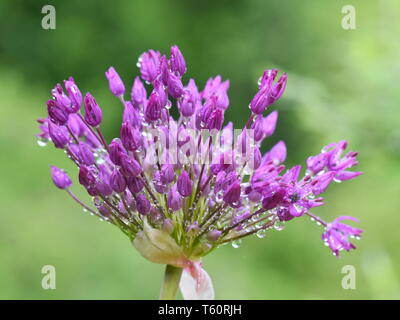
x: 170, y: 284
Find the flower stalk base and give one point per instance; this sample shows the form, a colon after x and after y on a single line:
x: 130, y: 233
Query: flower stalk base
x: 170, y: 284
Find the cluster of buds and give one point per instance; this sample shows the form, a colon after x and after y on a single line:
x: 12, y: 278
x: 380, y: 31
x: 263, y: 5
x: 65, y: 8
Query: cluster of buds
x: 179, y: 188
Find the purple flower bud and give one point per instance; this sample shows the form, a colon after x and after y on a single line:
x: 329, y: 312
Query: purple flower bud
x: 222, y: 95
x: 277, y: 154
x: 59, y: 135
x: 116, y: 149
x: 232, y: 194
x: 153, y: 108
x: 215, y: 120
x: 268, y: 92
x: 86, y: 176
x: 187, y: 105
x: 260, y: 101
x: 317, y: 163
x: 322, y: 182
x: 76, y: 125
x: 175, y: 87
x: 158, y: 185
x: 130, y: 167
x: 138, y: 93
x: 211, y: 87
x: 273, y: 200
x: 257, y: 127
x: 131, y: 137
x: 85, y: 155
x: 278, y: 89
x: 164, y: 70
x: 284, y: 214
x: 177, y: 62
x: 192, y: 229
x: 57, y: 114
x: 174, y: 199
x: 213, y: 235
x: 93, y: 114
x: 142, y: 204
x: 135, y: 185
x: 269, y: 123
x: 115, y: 83
x: 74, y: 94
x: 167, y: 173
x: 149, y: 63
x: 60, y: 178
x: 184, y: 184
x: 104, y: 211
x: 103, y: 188
x: 132, y: 115
x: 268, y: 77
x: 255, y: 158
x: 346, y: 175
x: 337, y: 234
x: 117, y: 181
x: 61, y: 98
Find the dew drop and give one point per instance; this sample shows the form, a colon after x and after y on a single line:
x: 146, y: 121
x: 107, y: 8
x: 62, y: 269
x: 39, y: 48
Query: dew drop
x: 279, y: 225
x: 261, y: 233
x: 236, y: 243
x: 42, y: 142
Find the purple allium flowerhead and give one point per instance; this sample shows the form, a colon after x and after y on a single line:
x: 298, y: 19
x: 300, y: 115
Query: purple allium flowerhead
x: 115, y: 83
x: 181, y: 187
x: 60, y: 178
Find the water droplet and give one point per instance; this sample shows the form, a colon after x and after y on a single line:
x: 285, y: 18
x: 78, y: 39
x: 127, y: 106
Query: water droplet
x: 84, y: 210
x: 219, y: 196
x: 97, y: 201
x: 261, y: 233
x: 236, y: 243
x: 279, y: 225
x: 42, y: 142
x: 298, y: 208
x: 337, y: 180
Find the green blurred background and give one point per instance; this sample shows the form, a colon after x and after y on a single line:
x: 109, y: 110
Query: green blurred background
x: 343, y: 84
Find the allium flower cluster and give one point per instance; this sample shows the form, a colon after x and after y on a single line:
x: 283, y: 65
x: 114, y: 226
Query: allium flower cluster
x: 179, y: 188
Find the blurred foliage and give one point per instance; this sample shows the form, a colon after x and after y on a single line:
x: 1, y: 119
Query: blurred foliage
x: 342, y: 85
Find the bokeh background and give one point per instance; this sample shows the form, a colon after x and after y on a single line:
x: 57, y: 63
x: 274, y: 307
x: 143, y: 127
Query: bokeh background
x: 343, y: 84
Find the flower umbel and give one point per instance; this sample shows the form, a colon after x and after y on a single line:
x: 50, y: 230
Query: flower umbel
x: 180, y: 188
